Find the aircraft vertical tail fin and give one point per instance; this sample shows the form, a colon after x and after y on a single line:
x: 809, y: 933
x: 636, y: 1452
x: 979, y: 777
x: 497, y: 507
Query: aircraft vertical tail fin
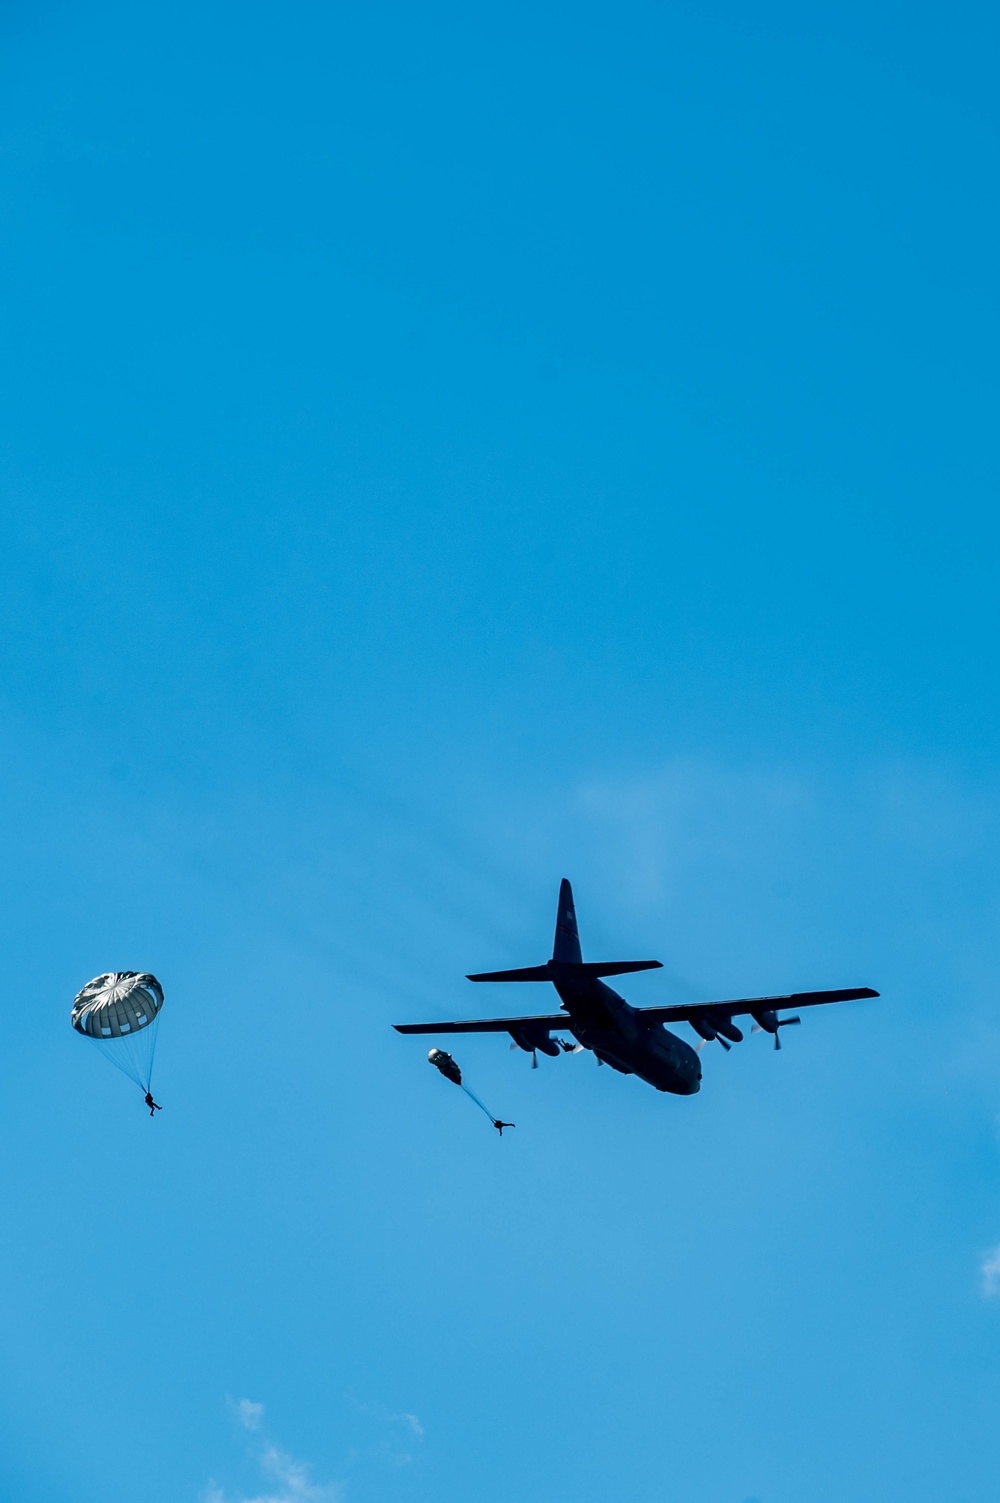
x: 566, y: 946
x: 567, y: 962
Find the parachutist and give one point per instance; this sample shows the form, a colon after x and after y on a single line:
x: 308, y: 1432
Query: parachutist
x: 501, y: 1125
x: 120, y: 1012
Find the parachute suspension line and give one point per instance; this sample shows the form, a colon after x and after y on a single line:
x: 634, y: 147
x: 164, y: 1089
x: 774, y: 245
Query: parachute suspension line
x: 154, y: 1031
x: 133, y: 1054
x: 473, y: 1097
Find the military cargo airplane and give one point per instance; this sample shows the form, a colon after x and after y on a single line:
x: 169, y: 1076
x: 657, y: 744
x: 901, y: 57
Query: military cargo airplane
x: 632, y: 1040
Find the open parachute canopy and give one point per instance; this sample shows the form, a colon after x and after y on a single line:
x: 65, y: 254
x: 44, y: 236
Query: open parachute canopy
x: 121, y: 1010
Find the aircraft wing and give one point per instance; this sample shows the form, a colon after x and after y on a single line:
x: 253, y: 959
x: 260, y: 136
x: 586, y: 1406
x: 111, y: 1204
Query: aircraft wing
x: 750, y: 1005
x: 682, y: 1014
x: 488, y: 1025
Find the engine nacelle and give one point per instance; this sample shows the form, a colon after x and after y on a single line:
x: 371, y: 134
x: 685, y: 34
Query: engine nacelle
x: 529, y: 1039
x: 712, y: 1025
x: 701, y: 1026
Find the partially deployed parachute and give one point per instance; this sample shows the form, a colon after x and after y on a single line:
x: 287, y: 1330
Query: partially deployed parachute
x: 121, y: 1010
x: 450, y: 1070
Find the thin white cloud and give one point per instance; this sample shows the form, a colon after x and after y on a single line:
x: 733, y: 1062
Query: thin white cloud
x: 397, y: 1432
x: 415, y: 1426
x: 286, y: 1479
x: 990, y: 1270
x: 250, y: 1414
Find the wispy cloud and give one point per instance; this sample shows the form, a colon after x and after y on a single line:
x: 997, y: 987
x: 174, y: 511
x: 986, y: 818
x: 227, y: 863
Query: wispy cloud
x: 397, y: 1433
x: 285, y: 1479
x: 250, y: 1414
x: 990, y: 1270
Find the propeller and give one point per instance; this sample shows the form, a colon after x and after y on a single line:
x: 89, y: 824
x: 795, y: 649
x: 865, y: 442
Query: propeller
x: 718, y: 1039
x: 783, y: 1023
x: 778, y: 1023
x: 569, y: 1048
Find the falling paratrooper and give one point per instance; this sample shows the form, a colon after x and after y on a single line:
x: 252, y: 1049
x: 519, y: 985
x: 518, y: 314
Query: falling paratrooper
x: 121, y: 1011
x: 449, y: 1068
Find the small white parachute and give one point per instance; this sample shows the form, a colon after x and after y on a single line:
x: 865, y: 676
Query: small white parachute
x: 121, y: 1011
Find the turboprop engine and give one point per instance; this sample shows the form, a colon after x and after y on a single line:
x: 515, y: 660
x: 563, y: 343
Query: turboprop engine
x: 769, y: 1022
x: 530, y: 1039
x: 713, y: 1025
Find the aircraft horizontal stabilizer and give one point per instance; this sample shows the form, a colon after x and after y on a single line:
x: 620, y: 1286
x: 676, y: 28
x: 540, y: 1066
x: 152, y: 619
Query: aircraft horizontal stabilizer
x: 525, y: 973
x: 570, y: 970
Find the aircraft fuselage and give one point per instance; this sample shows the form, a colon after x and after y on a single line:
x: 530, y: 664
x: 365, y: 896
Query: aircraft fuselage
x: 603, y: 1021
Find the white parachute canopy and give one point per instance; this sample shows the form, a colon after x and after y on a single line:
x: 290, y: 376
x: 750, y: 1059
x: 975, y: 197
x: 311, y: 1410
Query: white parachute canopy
x: 121, y: 1011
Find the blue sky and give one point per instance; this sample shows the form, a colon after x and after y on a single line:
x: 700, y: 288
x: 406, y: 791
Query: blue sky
x: 445, y: 450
